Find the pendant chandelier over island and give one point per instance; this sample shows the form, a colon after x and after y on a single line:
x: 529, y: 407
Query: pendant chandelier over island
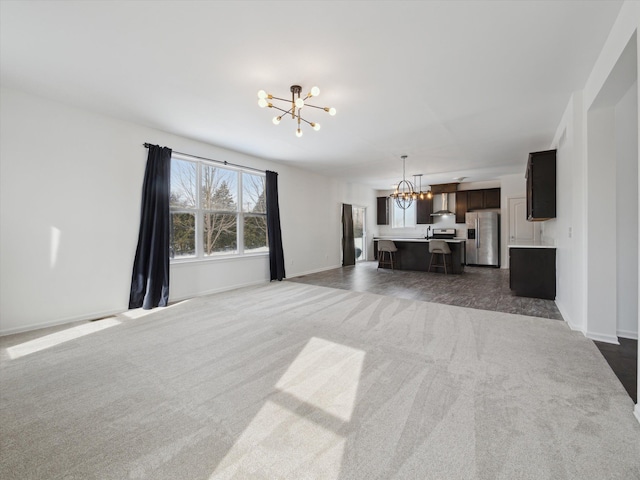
x: 405, y: 192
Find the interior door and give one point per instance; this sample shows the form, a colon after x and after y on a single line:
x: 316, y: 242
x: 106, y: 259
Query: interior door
x: 521, y: 230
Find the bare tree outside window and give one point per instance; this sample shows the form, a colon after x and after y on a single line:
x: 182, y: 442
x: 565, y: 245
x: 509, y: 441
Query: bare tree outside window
x: 218, y: 187
x: 182, y: 199
x: 206, y: 206
x: 255, y: 208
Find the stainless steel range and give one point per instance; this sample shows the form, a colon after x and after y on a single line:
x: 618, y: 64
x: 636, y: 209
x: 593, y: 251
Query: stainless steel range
x: 444, y: 233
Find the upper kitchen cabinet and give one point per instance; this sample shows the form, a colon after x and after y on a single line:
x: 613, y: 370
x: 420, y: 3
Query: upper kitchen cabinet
x: 492, y: 198
x: 541, y: 185
x: 470, y: 200
x: 424, y: 209
x: 383, y: 211
x: 461, y: 206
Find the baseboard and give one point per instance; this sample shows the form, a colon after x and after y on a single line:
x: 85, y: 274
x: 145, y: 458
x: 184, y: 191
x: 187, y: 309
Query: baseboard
x: 601, y: 337
x: 309, y: 272
x: 217, y: 290
x: 636, y: 411
x: 54, y: 323
x: 628, y: 334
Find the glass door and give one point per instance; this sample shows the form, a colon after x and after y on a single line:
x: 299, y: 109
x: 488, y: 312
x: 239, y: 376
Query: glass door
x: 359, y: 232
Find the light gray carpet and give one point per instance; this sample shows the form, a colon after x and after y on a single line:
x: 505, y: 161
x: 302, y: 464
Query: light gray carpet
x: 292, y: 381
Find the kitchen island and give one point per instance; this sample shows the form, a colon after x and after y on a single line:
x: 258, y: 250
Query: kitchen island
x: 413, y: 254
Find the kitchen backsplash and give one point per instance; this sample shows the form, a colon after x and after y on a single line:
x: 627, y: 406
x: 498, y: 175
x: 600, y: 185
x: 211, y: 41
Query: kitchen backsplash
x: 421, y: 230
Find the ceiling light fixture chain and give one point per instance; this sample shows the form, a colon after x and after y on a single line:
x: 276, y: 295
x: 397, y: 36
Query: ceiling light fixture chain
x: 296, y: 106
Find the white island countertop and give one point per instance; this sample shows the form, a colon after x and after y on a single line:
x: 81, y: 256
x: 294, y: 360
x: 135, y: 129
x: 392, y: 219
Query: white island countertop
x: 531, y: 244
x: 419, y: 239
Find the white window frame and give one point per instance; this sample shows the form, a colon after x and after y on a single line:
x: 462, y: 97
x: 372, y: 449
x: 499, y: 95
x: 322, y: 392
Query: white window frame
x: 199, y: 212
x: 395, y: 209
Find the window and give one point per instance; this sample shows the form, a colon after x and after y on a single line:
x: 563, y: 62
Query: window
x: 216, y: 211
x: 401, y: 218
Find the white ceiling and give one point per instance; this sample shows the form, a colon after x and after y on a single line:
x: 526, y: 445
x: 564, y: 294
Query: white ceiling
x: 464, y: 88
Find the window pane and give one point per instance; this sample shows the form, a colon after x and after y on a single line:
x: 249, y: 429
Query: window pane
x: 219, y: 234
x: 183, y: 235
x: 253, y: 193
x: 219, y: 189
x: 183, y: 183
x: 404, y: 218
x: 255, y: 234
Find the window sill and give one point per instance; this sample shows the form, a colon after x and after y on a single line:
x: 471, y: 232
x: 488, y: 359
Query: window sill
x: 217, y: 258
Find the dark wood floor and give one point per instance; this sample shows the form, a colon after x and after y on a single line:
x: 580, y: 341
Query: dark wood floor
x: 484, y: 288
x: 623, y: 360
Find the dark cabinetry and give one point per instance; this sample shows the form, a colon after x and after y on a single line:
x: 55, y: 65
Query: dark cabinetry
x: 541, y: 185
x: 468, y: 200
x: 383, y: 211
x: 461, y: 206
x: 424, y: 209
x: 475, y: 199
x: 532, y: 272
x: 492, y: 198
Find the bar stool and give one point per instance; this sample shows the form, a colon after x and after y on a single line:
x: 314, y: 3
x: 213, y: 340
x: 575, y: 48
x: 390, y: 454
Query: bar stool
x: 389, y: 248
x: 439, y: 247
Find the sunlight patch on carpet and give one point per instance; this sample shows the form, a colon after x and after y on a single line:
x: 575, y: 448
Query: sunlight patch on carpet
x: 280, y: 443
x: 58, y: 338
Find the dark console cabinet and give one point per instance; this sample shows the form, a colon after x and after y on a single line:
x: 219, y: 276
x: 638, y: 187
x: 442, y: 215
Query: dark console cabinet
x: 541, y: 185
x: 532, y: 272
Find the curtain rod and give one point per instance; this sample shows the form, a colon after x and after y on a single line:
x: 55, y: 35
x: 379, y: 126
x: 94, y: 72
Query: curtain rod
x: 224, y: 162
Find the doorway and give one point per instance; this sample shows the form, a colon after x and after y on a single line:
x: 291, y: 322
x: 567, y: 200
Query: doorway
x: 360, y: 233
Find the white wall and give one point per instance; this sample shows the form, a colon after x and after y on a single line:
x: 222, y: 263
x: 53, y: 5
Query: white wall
x: 587, y: 294
x: 626, y: 146
x: 601, y: 226
x: 70, y: 187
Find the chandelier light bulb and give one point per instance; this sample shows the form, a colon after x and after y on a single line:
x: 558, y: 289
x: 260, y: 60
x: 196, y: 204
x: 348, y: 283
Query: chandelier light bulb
x: 316, y: 126
x: 262, y: 103
x: 298, y: 133
x: 315, y: 91
x: 332, y: 111
x: 276, y: 120
x: 299, y: 103
x: 262, y: 94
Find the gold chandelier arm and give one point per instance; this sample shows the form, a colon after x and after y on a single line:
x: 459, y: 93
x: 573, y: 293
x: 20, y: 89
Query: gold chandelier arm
x: 315, y: 106
x: 306, y: 121
x: 281, y: 109
x: 278, y: 98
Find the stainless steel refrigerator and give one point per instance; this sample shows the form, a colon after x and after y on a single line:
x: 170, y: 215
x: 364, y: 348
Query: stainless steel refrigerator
x: 483, y: 238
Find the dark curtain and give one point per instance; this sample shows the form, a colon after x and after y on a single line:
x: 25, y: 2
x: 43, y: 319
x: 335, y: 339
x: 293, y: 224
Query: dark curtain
x: 348, y: 242
x: 276, y: 255
x: 150, y: 278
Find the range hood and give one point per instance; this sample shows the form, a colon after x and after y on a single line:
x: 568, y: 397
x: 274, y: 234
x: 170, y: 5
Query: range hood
x: 444, y: 207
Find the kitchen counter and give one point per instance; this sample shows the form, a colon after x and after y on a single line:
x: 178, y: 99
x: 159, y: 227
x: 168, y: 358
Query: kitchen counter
x: 420, y: 239
x: 531, y: 244
x: 413, y: 254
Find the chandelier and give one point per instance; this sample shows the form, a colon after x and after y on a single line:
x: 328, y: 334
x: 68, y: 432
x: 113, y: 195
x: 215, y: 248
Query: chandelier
x: 297, y: 102
x: 405, y: 192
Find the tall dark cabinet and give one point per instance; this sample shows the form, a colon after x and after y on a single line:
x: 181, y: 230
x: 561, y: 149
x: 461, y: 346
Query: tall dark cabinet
x: 541, y: 185
x: 383, y: 211
x: 424, y: 209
